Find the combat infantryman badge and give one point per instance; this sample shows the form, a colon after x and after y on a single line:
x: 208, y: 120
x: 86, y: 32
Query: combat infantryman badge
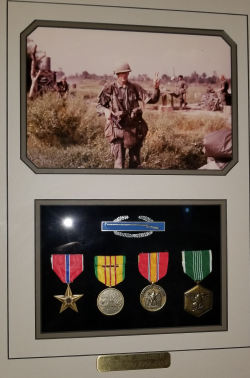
x: 67, y: 267
x: 147, y: 226
x: 110, y: 270
x: 153, y: 266
x: 197, y: 265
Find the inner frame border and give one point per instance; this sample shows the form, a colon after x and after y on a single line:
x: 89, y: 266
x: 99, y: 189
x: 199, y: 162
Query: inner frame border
x: 133, y: 332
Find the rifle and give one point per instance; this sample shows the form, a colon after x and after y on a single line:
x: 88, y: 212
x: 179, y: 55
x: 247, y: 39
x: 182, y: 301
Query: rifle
x: 116, y: 120
x: 113, y: 129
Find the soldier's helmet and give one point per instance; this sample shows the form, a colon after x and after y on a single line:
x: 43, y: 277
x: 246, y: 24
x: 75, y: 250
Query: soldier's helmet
x: 121, y: 66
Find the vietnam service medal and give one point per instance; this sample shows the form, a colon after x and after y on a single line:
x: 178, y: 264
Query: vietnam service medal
x: 110, y: 270
x: 153, y: 266
x: 197, y: 265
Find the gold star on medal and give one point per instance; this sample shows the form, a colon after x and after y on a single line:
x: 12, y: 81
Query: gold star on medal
x: 68, y: 300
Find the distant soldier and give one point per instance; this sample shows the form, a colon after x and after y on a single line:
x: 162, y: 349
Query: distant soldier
x: 125, y: 127
x: 223, y: 91
x: 210, y: 89
x: 181, y: 89
x: 62, y: 87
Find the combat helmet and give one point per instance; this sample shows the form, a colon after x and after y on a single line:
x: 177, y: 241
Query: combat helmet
x: 121, y: 66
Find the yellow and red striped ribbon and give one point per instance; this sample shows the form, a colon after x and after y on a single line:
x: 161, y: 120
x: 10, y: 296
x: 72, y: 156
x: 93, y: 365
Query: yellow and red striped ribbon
x: 110, y: 270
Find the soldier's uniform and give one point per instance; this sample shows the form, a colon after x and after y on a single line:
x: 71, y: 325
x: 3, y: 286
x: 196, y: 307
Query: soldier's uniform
x: 224, y: 91
x: 62, y: 87
x: 181, y: 88
x: 127, y: 128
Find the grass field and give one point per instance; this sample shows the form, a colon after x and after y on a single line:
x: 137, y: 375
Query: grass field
x: 91, y: 88
x: 69, y: 134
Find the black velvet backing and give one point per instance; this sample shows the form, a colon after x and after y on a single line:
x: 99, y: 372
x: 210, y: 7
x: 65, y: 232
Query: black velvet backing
x: 194, y: 227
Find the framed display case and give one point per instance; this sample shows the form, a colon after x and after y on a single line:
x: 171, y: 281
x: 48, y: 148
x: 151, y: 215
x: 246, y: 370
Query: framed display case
x: 202, y: 210
x: 66, y: 229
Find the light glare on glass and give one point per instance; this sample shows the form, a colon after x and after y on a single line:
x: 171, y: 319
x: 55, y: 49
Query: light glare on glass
x: 67, y: 222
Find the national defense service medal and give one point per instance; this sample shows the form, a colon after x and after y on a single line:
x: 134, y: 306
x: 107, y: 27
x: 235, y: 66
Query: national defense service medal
x: 197, y: 265
x: 110, y: 270
x: 153, y: 297
x: 153, y: 266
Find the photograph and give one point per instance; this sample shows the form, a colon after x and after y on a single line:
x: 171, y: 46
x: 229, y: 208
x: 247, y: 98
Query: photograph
x: 120, y: 101
x: 110, y: 268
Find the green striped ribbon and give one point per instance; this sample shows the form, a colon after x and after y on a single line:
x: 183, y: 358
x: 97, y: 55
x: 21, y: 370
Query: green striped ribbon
x: 197, y: 264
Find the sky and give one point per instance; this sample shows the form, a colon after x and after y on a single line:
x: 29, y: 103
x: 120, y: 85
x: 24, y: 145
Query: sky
x: 96, y: 51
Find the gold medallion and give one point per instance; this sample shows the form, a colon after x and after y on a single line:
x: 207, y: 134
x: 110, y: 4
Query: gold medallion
x: 153, y: 297
x: 110, y: 301
x: 198, y: 300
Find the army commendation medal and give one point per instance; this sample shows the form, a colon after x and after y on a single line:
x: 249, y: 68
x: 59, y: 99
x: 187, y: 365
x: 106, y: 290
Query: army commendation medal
x: 67, y: 267
x: 153, y: 266
x: 110, y: 270
x: 197, y: 265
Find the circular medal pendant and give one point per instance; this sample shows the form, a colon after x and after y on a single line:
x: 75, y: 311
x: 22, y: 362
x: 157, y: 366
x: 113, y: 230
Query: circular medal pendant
x: 110, y: 301
x: 153, y: 297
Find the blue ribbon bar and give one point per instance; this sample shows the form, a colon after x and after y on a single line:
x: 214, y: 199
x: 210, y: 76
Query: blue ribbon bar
x: 133, y: 226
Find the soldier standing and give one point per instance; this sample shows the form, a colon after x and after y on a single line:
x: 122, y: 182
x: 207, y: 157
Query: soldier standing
x: 181, y: 89
x: 223, y: 91
x: 62, y: 87
x: 125, y: 127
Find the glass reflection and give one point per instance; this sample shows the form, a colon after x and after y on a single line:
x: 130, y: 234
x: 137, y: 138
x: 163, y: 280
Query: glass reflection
x: 67, y: 222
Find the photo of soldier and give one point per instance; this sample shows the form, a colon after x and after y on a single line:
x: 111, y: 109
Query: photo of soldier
x: 91, y: 113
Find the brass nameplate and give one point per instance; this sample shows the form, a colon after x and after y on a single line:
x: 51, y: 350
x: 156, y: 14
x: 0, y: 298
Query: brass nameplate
x: 139, y: 361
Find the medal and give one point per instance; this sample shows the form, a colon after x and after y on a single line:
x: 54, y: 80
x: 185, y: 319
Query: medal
x: 153, y: 266
x: 197, y: 265
x: 67, y: 267
x: 110, y: 270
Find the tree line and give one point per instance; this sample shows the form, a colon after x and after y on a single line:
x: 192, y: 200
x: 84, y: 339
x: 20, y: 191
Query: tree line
x: 193, y: 78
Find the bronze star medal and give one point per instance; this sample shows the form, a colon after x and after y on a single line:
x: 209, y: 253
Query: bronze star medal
x: 197, y: 265
x: 67, y: 267
x: 68, y: 300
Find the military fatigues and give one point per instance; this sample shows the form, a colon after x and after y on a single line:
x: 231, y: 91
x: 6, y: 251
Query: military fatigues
x: 62, y: 88
x: 127, y: 128
x: 181, y: 88
x: 224, y: 92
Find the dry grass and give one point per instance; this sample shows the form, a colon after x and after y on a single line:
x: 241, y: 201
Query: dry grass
x: 69, y: 134
x: 174, y: 140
